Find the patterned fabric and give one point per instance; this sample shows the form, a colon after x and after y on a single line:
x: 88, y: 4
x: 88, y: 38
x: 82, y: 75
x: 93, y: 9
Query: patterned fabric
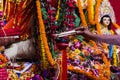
x: 3, y: 74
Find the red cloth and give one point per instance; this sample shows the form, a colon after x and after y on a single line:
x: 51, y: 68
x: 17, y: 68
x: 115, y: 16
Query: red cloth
x: 116, y: 7
x: 10, y: 32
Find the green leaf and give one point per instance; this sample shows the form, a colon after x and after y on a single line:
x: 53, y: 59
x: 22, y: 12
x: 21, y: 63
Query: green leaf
x: 80, y: 38
x: 44, y: 13
x: 87, y: 57
x: 77, y: 20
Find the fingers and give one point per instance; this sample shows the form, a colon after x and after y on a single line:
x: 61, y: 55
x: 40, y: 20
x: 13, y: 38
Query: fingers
x: 79, y: 32
x: 82, y: 28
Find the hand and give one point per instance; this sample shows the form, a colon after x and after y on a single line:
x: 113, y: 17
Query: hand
x: 83, y: 31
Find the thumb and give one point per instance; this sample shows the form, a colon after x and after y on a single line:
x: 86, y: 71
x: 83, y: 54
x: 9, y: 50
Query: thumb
x: 79, y: 32
x: 80, y: 28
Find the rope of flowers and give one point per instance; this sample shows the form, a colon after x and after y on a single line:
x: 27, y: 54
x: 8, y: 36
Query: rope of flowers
x: 4, y: 60
x: 82, y: 16
x: 43, y: 34
x: 42, y: 48
x: 91, y: 11
x: 58, y: 10
x: 114, y: 56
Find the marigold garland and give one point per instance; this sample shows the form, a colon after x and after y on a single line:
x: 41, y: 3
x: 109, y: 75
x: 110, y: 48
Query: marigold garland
x: 90, y: 11
x: 43, y: 34
x: 97, y: 10
x: 4, y: 60
x: 114, y: 56
x: 82, y: 16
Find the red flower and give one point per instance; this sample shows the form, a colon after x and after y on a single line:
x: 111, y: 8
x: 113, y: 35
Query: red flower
x: 51, y: 12
x: 66, y: 23
x: 51, y: 18
x: 71, y: 25
x: 52, y: 27
x: 71, y: 4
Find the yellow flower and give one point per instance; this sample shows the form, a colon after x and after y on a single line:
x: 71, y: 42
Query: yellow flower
x: 77, y: 51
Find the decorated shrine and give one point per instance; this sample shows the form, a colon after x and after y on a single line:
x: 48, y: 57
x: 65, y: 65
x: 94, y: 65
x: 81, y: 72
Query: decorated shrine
x: 38, y: 40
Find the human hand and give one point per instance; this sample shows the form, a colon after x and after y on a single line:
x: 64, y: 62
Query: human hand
x: 83, y: 31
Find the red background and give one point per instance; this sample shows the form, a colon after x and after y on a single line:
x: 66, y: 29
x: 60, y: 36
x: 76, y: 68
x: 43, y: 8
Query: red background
x: 116, y: 7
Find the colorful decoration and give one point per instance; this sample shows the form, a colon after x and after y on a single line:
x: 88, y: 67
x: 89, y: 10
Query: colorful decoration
x: 3, y: 69
x: 79, y: 51
x: 62, y: 53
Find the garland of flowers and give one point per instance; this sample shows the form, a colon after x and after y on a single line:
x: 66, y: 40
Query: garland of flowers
x: 58, y: 10
x: 4, y: 60
x: 90, y: 11
x: 82, y: 16
x: 114, y: 56
x: 44, y: 61
x: 43, y: 34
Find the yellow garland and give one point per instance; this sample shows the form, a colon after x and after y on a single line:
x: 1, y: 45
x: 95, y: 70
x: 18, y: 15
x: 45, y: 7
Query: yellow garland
x: 82, y: 16
x: 4, y: 60
x: 90, y: 10
x: 43, y: 34
x: 58, y: 10
x: 91, y: 13
x: 114, y: 56
x: 44, y: 63
x: 97, y: 10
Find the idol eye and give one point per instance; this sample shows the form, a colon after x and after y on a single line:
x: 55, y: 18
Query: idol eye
x: 108, y: 19
x: 104, y: 19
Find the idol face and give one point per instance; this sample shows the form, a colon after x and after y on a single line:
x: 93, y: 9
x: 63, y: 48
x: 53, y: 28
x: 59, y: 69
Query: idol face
x: 106, y: 21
